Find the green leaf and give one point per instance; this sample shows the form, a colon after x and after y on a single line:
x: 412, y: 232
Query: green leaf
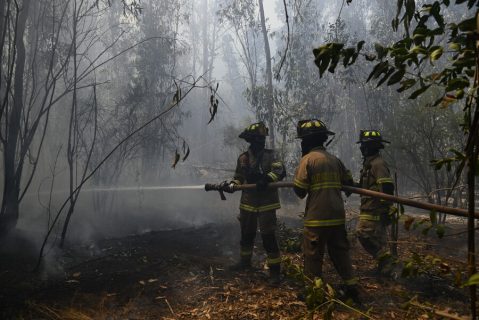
x: 457, y: 83
x: 459, y: 155
x: 440, y: 231
x: 406, y: 84
x: 469, y: 72
x: 467, y: 25
x: 418, y: 92
x: 396, y: 77
x: 400, y: 4
x: 418, y: 50
x: 472, y: 281
x: 359, y: 46
x: 334, y: 62
x: 436, y: 54
x: 395, y: 24
x: 436, y: 13
x: 437, y: 164
x: 322, y: 62
x: 348, y: 54
x: 464, y: 63
x: 386, y: 76
x: 454, y: 46
x: 410, y: 9
x: 380, y: 50
x: 377, y: 70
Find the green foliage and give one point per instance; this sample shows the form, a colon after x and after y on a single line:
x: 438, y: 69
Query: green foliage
x: 404, y: 61
x: 425, y: 225
x: 419, y: 264
x: 435, y: 60
x: 472, y: 281
x: 447, y: 162
x: 213, y: 102
x: 289, y: 238
x: 319, y: 296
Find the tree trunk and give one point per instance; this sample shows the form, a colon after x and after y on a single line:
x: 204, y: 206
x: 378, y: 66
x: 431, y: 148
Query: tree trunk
x: 72, y: 132
x: 13, y: 169
x: 269, y: 76
x: 471, y: 226
x: 472, y: 150
x: 205, y: 98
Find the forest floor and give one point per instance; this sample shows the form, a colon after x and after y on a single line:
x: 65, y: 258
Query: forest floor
x: 183, y: 274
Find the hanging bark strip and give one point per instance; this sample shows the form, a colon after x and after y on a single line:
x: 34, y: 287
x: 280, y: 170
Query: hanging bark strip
x: 405, y: 201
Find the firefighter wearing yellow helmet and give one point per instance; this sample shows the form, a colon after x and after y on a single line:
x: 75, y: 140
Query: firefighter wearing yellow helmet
x: 320, y: 176
x: 258, y: 166
x: 375, y: 214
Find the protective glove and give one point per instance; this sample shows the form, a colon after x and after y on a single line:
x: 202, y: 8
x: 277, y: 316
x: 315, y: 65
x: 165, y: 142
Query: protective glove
x: 262, y: 184
x: 388, y: 217
x: 227, y: 186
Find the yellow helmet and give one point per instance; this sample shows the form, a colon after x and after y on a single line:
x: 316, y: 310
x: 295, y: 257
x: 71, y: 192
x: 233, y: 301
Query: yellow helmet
x: 312, y: 127
x: 257, y: 129
x: 370, y: 136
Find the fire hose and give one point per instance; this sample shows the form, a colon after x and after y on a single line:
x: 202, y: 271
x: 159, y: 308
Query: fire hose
x: 364, y: 192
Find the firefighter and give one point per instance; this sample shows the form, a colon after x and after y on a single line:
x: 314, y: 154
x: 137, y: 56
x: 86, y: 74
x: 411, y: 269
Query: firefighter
x: 375, y: 214
x: 258, y: 166
x: 320, y: 176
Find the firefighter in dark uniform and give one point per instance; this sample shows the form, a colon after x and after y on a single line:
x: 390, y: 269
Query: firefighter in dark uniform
x: 258, y: 166
x: 375, y: 214
x: 320, y: 176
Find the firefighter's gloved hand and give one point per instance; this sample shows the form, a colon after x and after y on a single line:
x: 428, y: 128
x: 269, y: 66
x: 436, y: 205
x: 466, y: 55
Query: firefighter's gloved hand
x: 262, y: 184
x: 388, y: 217
x: 227, y: 186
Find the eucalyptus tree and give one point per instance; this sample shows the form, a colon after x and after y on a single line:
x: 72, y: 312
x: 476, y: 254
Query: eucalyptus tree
x: 248, y: 22
x: 30, y: 74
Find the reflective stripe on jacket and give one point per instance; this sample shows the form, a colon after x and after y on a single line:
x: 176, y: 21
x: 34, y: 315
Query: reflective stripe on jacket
x: 374, y: 174
x: 321, y: 174
x: 249, y: 169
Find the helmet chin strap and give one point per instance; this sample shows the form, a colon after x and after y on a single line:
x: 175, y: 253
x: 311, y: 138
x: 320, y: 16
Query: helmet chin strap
x: 329, y: 141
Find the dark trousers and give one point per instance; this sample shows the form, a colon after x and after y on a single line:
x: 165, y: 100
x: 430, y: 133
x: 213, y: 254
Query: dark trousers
x: 267, y: 224
x: 334, y: 238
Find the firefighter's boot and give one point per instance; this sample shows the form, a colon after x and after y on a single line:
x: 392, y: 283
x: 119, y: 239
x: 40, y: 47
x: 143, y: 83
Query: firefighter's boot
x: 352, y: 292
x: 274, y: 275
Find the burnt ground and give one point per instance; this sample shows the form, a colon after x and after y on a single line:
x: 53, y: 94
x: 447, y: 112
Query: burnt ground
x: 182, y: 274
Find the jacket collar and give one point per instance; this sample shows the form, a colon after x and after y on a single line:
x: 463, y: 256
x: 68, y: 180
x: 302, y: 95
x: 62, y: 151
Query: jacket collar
x: 369, y: 159
x: 319, y: 148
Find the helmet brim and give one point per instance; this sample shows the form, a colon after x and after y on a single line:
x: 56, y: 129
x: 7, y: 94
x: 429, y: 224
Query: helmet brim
x: 328, y: 133
x: 371, y: 140
x: 245, y: 136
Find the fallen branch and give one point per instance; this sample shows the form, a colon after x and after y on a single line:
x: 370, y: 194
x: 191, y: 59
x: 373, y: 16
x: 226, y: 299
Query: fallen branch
x: 437, y: 312
x: 169, y: 306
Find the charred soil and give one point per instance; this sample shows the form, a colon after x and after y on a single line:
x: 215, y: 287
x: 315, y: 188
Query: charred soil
x: 183, y: 274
